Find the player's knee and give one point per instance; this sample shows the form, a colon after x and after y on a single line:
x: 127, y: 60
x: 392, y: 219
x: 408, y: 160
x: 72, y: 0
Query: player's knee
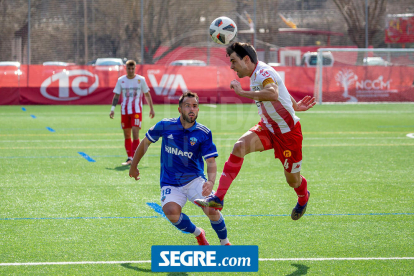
x: 293, y: 182
x: 172, y: 214
x: 239, y: 148
x: 213, y: 214
x: 173, y: 217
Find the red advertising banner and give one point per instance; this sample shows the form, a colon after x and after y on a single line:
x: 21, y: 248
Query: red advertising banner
x: 399, y: 28
x: 368, y: 84
x: 78, y: 85
x: 209, y: 82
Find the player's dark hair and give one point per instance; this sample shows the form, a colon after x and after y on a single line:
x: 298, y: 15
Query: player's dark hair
x: 188, y: 94
x: 242, y: 50
x: 131, y: 63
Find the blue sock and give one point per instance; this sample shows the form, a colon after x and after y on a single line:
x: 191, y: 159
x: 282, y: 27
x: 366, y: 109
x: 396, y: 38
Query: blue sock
x: 184, y: 224
x: 220, y: 227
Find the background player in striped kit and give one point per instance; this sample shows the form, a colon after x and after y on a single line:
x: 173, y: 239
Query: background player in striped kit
x: 279, y: 127
x: 132, y: 86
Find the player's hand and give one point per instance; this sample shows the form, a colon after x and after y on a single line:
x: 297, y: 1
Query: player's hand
x: 236, y: 86
x: 134, y: 172
x: 306, y: 103
x: 152, y: 113
x: 112, y: 114
x: 207, y: 188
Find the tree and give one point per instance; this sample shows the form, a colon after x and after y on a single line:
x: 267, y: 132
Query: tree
x: 353, y: 12
x: 174, y: 23
x: 267, y: 25
x: 171, y: 23
x: 13, y: 17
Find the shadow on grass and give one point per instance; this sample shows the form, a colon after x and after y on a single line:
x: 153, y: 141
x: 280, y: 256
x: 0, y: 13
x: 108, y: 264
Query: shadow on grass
x: 122, y: 168
x: 136, y: 268
x: 301, y: 270
x: 119, y: 168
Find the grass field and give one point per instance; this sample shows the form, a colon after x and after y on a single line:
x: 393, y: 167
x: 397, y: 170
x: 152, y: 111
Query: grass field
x: 56, y: 207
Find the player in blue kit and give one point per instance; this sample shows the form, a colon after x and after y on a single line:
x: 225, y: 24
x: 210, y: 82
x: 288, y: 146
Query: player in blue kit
x: 184, y: 145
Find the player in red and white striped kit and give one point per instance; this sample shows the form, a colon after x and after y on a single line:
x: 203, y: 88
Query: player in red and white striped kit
x: 279, y: 128
x: 132, y: 86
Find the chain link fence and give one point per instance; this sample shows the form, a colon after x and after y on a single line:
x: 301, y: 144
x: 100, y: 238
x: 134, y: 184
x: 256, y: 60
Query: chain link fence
x: 161, y: 31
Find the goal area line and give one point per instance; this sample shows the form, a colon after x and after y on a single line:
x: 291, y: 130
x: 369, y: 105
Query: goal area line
x: 260, y: 259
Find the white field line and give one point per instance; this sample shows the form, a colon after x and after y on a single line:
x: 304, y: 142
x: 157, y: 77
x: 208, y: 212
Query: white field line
x: 220, y: 146
x: 337, y: 259
x: 260, y: 259
x: 218, y: 112
x: 242, y: 108
x: 209, y: 105
x: 215, y: 133
x: 321, y: 138
x: 231, y: 138
x: 358, y: 111
x: 59, y: 141
x: 62, y: 134
x: 75, y: 263
x: 330, y: 112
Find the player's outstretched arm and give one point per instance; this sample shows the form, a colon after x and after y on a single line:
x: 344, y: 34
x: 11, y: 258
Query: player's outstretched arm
x: 140, y: 152
x: 306, y: 103
x: 211, y: 176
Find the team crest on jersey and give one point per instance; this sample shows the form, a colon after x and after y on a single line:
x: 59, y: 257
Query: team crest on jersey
x: 263, y: 73
x: 193, y: 141
x: 139, y: 81
x: 136, y: 116
x: 287, y: 153
x: 163, y: 198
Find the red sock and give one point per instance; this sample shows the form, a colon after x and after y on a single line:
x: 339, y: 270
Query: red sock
x: 230, y: 171
x: 128, y: 147
x: 302, y: 192
x: 135, y: 144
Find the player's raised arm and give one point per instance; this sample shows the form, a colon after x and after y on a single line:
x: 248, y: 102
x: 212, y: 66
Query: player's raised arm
x: 306, y: 103
x: 141, y: 150
x: 211, y: 176
x: 270, y: 92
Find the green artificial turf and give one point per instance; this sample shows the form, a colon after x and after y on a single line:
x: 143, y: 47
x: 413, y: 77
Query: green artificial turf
x: 55, y: 206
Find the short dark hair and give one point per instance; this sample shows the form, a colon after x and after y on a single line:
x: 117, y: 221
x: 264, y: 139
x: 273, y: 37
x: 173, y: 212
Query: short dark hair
x: 242, y: 50
x: 131, y: 63
x: 188, y: 94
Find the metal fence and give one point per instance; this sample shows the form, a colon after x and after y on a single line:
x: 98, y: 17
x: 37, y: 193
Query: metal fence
x: 161, y: 31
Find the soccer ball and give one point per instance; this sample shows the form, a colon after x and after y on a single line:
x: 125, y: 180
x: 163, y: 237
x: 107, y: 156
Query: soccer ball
x: 223, y: 30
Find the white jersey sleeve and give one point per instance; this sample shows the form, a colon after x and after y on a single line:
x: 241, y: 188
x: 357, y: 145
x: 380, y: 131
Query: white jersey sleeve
x: 118, y: 88
x: 144, y: 86
x: 265, y: 76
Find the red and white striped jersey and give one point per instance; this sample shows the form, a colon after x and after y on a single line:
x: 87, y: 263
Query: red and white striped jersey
x: 132, y: 92
x: 278, y: 116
